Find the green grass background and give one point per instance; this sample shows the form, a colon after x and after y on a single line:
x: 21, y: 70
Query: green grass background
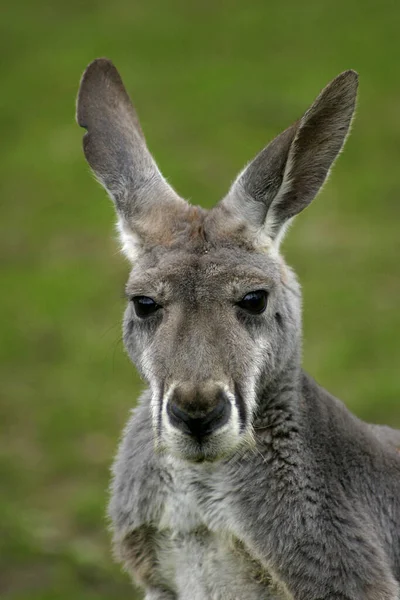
x: 212, y: 82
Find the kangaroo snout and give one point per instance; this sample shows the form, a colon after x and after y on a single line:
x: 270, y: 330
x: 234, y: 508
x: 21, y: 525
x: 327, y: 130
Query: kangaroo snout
x: 199, y: 410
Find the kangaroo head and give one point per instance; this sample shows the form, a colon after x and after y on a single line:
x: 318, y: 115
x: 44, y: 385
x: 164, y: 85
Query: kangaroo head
x: 214, y: 314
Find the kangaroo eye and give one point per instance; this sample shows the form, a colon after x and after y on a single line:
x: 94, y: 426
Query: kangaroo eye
x: 144, y: 306
x: 254, y: 302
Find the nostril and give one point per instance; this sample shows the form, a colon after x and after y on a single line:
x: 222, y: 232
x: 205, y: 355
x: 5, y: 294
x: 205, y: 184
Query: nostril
x: 217, y: 412
x: 177, y: 413
x: 203, y: 425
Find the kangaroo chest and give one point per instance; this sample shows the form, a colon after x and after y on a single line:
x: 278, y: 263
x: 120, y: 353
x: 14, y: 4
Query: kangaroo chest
x: 199, y: 553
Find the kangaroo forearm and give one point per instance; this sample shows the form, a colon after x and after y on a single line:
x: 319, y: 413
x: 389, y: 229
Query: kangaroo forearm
x: 138, y: 552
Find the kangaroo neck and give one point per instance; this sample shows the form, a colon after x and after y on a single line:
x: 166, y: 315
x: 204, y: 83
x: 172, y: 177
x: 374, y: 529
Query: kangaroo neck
x: 279, y: 399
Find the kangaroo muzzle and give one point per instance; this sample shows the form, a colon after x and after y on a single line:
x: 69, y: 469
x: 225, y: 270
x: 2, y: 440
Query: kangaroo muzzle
x: 200, y: 410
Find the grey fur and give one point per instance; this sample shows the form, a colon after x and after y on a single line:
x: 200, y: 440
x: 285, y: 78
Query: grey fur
x: 293, y: 496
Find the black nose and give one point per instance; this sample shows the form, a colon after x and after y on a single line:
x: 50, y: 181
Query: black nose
x: 199, y: 425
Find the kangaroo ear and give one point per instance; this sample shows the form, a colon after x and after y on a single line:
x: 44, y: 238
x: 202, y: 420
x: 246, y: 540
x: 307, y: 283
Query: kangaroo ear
x: 284, y: 178
x: 116, y: 151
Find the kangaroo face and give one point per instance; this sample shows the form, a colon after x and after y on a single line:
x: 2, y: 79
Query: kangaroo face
x: 206, y: 324
x: 213, y: 312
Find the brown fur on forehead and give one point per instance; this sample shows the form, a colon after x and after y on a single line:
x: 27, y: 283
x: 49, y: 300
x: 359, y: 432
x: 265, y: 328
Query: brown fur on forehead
x: 223, y: 226
x: 192, y: 227
x: 177, y: 224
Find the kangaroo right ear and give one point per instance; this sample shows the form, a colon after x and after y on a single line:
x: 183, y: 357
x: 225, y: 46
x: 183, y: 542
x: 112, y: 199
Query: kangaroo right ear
x: 116, y: 151
x: 285, y: 177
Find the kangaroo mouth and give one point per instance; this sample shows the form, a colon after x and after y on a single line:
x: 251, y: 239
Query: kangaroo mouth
x: 207, y: 448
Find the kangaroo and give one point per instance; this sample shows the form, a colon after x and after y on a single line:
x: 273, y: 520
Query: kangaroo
x: 238, y: 477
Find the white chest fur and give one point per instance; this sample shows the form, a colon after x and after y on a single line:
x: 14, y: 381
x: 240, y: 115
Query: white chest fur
x: 201, y: 556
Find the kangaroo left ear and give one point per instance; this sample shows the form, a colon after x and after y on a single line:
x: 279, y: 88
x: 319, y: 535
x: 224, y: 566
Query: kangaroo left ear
x: 117, y: 153
x: 285, y: 177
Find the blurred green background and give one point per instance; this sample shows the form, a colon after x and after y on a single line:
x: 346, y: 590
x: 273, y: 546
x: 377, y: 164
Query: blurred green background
x: 212, y: 82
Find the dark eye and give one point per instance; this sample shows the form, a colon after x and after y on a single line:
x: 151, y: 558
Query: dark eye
x: 145, y: 306
x: 254, y: 302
